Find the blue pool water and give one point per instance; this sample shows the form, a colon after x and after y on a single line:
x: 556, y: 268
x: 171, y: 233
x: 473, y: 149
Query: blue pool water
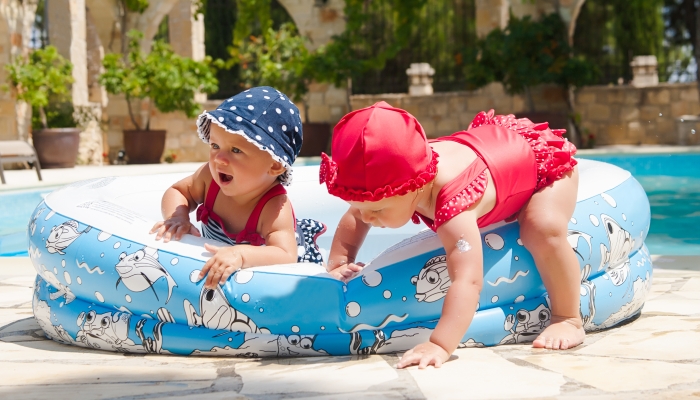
x: 15, y: 210
x: 672, y: 182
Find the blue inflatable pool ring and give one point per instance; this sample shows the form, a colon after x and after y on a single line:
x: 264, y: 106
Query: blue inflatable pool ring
x: 103, y: 282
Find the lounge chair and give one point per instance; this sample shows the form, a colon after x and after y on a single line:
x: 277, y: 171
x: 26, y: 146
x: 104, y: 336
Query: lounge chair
x: 17, y: 151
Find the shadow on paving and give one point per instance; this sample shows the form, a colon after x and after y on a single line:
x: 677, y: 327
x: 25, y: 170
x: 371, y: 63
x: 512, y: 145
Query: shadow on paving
x: 682, y: 263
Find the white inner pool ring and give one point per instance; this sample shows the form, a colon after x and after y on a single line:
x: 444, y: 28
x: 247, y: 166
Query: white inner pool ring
x: 105, y: 283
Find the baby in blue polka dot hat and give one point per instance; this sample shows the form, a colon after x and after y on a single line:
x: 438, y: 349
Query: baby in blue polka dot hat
x: 254, y: 138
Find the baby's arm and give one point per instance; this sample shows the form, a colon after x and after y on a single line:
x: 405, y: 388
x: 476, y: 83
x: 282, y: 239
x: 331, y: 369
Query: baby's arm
x: 348, y: 238
x: 462, y: 241
x: 278, y: 229
x: 177, y: 203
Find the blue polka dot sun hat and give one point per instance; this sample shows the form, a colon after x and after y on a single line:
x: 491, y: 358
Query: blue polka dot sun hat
x: 265, y: 117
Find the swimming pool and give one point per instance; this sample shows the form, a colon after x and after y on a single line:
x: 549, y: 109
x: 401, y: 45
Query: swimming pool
x: 15, y: 210
x: 672, y: 182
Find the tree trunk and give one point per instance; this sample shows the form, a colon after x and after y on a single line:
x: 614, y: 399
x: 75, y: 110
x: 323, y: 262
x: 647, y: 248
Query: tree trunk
x: 530, y: 101
x: 42, y: 116
x: 131, y: 113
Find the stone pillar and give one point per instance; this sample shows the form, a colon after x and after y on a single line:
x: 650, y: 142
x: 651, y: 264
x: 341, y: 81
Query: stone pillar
x: 319, y: 21
x: 490, y: 15
x: 644, y: 71
x: 186, y: 30
x: 67, y: 30
x: 106, y: 23
x: 8, y: 123
x: 17, y: 21
x: 420, y: 79
x: 149, y: 21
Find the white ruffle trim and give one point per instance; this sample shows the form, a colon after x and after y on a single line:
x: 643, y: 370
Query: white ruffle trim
x: 285, y: 178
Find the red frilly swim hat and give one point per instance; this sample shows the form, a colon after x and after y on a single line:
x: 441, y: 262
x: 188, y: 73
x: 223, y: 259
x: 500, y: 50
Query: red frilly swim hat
x: 379, y: 151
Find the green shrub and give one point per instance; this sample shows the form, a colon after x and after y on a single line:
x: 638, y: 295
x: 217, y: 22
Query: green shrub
x: 40, y: 78
x: 528, y: 53
x: 170, y: 81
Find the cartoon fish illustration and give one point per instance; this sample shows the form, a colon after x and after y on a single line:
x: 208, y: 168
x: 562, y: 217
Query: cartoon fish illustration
x: 573, y: 237
x: 155, y: 345
x: 32, y: 223
x: 217, y: 313
x: 256, y: 345
x: 399, y: 340
x: 587, y: 290
x: 141, y: 269
x: 63, y: 235
x: 526, y: 325
x: 356, y: 343
x: 640, y: 289
x: 433, y: 280
x: 61, y: 289
x: 617, y: 258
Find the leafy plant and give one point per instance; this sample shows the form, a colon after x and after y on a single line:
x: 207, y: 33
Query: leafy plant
x: 58, y: 114
x: 278, y: 58
x: 528, y: 53
x: 349, y: 55
x: 170, y: 81
x: 39, y: 77
x: 170, y: 157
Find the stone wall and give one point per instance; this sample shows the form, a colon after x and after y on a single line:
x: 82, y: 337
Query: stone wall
x: 614, y: 114
x: 629, y: 115
x: 444, y: 113
x: 181, y: 138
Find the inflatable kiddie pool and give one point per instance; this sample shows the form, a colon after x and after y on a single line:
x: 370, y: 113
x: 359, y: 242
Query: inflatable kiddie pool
x: 103, y: 282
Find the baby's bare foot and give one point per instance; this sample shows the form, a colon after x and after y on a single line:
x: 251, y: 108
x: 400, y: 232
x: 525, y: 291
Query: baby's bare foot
x: 561, y: 334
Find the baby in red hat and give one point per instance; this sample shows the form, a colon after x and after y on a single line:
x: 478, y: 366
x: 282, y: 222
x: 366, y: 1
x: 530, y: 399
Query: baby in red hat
x: 499, y: 168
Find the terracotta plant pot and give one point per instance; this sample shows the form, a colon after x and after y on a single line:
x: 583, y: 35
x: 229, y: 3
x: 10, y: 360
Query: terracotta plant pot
x: 316, y: 137
x: 144, y: 147
x: 56, y: 147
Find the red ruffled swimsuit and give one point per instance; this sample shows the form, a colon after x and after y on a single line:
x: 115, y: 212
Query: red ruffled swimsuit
x: 522, y: 157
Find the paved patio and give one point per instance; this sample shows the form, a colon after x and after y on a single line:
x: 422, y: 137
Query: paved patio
x: 655, y: 356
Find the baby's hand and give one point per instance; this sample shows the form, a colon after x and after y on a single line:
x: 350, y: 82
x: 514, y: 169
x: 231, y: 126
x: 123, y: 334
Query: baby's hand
x: 424, y: 354
x: 221, y: 266
x: 346, y: 271
x: 174, y: 228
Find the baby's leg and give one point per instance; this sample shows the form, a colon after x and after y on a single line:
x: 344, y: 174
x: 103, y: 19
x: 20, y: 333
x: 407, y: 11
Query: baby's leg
x: 544, y: 223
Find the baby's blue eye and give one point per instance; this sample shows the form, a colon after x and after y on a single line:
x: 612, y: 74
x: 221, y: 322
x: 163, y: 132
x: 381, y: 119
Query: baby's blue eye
x: 236, y: 150
x: 214, y: 146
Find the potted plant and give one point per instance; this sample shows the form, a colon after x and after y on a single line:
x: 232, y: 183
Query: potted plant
x: 42, y: 79
x: 161, y: 78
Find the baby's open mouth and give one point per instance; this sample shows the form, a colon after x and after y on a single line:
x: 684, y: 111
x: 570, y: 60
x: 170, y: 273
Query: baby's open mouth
x: 225, y: 178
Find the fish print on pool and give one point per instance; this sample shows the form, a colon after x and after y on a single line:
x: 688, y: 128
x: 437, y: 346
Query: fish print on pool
x: 99, y: 290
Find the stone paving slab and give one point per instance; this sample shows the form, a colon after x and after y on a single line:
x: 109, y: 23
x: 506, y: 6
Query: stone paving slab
x: 654, y: 356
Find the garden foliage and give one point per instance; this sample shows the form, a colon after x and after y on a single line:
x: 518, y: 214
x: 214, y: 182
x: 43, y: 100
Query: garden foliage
x: 169, y: 80
x: 40, y: 78
x: 528, y: 53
